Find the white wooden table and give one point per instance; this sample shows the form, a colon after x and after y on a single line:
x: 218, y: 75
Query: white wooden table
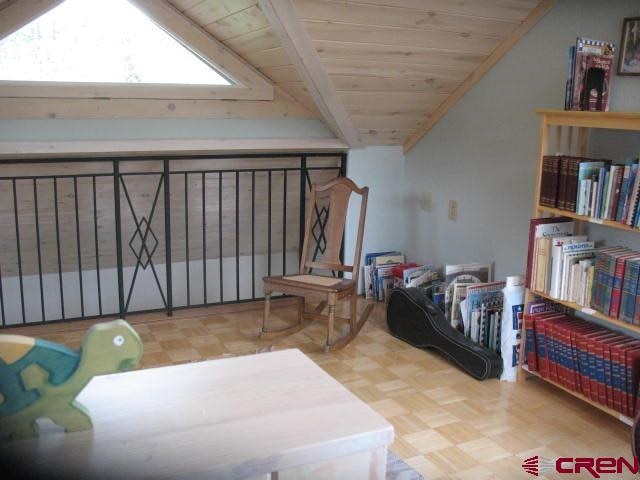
x: 235, y: 418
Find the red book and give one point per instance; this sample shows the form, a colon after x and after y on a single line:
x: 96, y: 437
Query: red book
x: 398, y: 270
x: 618, y: 373
x: 542, y: 353
x: 549, y: 181
x: 583, y: 359
x: 566, y: 358
x: 632, y: 361
x: 596, y: 375
x: 562, y: 183
x: 578, y: 363
x: 551, y: 336
x: 608, y: 378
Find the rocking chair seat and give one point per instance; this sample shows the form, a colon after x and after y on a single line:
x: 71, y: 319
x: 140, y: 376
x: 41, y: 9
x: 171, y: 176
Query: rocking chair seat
x: 308, y: 282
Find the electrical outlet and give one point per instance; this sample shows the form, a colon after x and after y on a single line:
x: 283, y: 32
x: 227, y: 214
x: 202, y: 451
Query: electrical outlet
x: 425, y: 201
x: 453, y: 210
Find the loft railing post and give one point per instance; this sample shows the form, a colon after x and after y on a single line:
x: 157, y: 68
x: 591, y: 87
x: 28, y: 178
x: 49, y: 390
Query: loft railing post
x: 167, y: 236
x: 303, y: 202
x: 118, y: 219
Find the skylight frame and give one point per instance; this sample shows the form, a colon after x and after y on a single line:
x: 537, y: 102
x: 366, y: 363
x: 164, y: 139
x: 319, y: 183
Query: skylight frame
x: 248, y: 83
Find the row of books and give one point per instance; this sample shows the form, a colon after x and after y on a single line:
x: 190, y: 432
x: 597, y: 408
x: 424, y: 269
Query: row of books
x: 481, y: 312
x: 593, y: 188
x: 563, y: 265
x: 568, y: 267
x: 615, y: 286
x: 589, y: 78
x: 600, y: 364
x: 425, y: 277
x: 378, y: 275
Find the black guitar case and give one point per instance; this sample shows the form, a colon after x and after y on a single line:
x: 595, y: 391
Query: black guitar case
x: 413, y: 318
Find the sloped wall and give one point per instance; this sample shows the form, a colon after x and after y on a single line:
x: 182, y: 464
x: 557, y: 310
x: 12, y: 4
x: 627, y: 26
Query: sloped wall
x: 483, y: 153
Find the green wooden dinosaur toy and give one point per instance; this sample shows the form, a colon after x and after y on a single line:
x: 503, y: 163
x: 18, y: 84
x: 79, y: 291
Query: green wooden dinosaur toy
x: 41, y: 379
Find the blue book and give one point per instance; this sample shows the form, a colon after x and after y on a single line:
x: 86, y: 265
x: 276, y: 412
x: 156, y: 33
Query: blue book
x: 569, y: 91
x: 624, y: 187
x: 368, y: 258
x: 602, y: 180
x: 629, y: 290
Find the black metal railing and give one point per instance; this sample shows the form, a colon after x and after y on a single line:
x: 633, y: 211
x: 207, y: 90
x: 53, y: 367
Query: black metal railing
x: 91, y: 237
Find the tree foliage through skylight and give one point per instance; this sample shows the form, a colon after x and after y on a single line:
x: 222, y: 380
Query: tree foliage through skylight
x: 100, y: 41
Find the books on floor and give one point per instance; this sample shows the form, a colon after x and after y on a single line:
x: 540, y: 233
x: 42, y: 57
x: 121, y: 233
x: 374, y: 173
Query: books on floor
x: 483, y: 319
x: 377, y: 273
x: 463, y: 273
x: 600, y: 364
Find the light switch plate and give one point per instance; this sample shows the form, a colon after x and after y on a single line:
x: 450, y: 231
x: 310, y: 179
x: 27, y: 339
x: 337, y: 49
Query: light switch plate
x: 425, y: 201
x: 453, y: 210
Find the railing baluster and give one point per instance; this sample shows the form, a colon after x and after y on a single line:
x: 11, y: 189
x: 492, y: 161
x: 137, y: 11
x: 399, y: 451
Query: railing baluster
x: 118, y: 220
x: 269, y: 225
x: 60, y: 282
x: 220, y: 235
x: 204, y: 240
x: 303, y: 200
x: 237, y: 235
x: 37, y: 219
x: 15, y: 214
x: 167, y: 236
x: 96, y: 248
x: 75, y: 197
x: 186, y: 234
x: 284, y: 226
x: 253, y: 234
x: 2, y: 300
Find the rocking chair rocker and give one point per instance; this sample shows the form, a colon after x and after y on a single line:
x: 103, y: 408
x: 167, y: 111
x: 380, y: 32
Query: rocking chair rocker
x: 325, y: 289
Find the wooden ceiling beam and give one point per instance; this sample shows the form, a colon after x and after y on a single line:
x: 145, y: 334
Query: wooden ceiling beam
x: 17, y: 14
x: 298, y: 44
x: 507, y: 44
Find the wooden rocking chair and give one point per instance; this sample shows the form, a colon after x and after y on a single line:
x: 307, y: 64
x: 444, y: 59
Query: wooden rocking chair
x: 328, y: 290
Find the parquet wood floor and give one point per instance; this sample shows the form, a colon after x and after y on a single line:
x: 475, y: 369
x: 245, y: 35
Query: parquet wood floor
x: 447, y: 424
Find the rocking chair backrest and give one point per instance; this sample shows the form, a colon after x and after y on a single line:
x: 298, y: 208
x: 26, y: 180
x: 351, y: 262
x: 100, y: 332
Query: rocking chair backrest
x: 339, y: 192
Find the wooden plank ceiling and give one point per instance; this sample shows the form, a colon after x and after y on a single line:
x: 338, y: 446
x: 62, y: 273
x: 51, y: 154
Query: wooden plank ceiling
x: 392, y: 62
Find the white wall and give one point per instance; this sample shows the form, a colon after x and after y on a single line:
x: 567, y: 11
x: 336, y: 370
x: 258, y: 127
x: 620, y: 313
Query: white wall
x: 483, y: 152
x: 382, y: 170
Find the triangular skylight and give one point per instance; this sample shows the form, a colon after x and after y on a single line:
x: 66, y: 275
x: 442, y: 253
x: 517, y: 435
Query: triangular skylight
x: 100, y: 41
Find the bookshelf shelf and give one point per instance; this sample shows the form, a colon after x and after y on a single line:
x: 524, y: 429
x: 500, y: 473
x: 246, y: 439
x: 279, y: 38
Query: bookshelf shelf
x: 607, y: 410
x: 610, y: 120
x: 591, y: 312
x: 583, y: 218
x: 568, y: 132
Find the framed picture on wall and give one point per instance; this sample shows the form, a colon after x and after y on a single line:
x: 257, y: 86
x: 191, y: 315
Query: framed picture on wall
x: 629, y: 60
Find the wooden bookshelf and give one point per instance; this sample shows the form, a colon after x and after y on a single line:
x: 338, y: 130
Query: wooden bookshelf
x: 591, y: 312
x: 568, y: 132
x: 556, y: 212
x: 599, y: 406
